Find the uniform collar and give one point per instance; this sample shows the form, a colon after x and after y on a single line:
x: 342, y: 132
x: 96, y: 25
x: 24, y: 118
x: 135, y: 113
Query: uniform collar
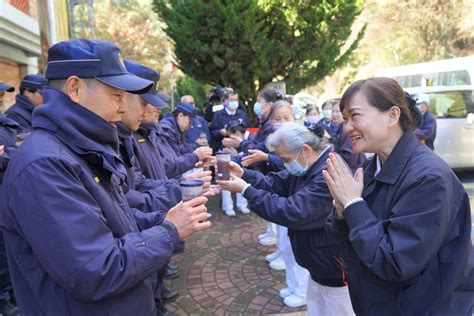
x: 123, y: 131
x: 6, y: 121
x: 396, y: 161
x: 24, y: 103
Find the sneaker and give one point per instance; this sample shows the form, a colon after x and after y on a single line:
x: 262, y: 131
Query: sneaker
x: 268, y: 241
x: 244, y: 210
x: 277, y: 264
x: 261, y: 236
x: 269, y: 258
x: 285, y: 292
x: 294, y: 301
x: 229, y: 212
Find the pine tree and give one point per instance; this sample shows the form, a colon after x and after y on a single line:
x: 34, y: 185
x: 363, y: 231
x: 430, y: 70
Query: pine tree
x: 248, y: 43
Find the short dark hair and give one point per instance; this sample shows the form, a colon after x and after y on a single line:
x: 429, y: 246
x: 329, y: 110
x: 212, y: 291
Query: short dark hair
x: 236, y: 126
x: 270, y: 95
x: 383, y: 93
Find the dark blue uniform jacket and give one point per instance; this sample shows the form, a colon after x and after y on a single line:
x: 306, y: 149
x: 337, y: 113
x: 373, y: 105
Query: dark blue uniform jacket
x: 427, y: 130
x: 266, y: 128
x: 8, y: 132
x: 343, y: 146
x: 175, y: 165
x: 220, y: 120
x: 74, y: 245
x: 143, y: 193
x: 406, y: 248
x: 146, y: 151
x: 301, y: 204
x: 173, y: 136
x: 21, y: 113
x: 198, y: 126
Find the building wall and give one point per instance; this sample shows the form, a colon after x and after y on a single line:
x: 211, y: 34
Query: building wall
x: 10, y: 73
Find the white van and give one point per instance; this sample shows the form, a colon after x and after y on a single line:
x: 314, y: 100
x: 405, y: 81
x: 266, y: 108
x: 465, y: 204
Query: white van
x: 450, y: 85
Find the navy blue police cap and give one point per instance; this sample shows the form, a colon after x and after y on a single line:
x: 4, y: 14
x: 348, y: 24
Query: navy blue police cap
x: 93, y: 59
x: 186, y: 109
x: 146, y: 73
x: 5, y: 87
x: 33, y: 82
x: 163, y: 96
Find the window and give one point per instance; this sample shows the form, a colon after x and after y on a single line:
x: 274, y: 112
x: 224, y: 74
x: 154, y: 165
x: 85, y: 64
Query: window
x: 452, y: 104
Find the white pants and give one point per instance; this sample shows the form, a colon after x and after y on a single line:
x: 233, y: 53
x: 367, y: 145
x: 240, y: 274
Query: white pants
x: 296, y: 276
x: 326, y: 300
x: 228, y: 203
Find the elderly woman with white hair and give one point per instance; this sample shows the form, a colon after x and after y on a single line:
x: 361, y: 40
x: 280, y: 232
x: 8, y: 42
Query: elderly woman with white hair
x: 299, y: 199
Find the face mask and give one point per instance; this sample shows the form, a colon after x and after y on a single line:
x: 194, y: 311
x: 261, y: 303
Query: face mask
x: 233, y: 105
x: 295, y: 168
x: 314, y: 118
x: 327, y: 114
x: 257, y: 109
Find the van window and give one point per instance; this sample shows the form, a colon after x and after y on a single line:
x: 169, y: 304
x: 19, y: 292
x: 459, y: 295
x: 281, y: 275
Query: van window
x: 451, y: 104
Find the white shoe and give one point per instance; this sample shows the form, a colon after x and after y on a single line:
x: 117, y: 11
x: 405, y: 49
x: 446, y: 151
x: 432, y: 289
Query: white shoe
x: 244, y: 210
x: 261, y: 236
x: 268, y: 241
x: 285, y: 292
x: 229, y: 212
x: 294, y: 301
x: 269, y: 258
x: 277, y: 264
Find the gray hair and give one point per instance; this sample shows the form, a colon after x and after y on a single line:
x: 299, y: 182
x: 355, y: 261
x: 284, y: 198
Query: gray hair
x: 278, y: 105
x: 294, y: 135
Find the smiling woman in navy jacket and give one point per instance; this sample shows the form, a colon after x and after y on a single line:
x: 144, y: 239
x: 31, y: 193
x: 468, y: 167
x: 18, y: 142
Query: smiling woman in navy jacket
x: 299, y: 199
x: 404, y: 223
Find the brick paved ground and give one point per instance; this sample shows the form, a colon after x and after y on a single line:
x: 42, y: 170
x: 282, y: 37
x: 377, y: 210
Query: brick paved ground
x: 223, y: 270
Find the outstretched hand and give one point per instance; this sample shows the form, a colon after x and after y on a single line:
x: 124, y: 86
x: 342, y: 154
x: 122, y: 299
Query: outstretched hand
x: 255, y: 156
x: 235, y: 184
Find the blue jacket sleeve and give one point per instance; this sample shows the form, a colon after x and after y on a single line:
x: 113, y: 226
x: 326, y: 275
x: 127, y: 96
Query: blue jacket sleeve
x: 155, y: 195
x: 273, y: 182
x: 307, y: 208
x: 176, y: 166
x: 398, y: 248
x: 66, y: 230
x: 148, y: 220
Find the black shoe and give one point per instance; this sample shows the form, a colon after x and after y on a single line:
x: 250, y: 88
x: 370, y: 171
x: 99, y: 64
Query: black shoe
x: 162, y: 311
x: 180, y: 247
x: 8, y: 309
x: 169, y: 296
x: 171, y: 273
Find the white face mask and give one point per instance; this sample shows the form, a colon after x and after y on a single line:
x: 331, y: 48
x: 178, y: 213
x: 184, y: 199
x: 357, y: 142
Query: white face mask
x: 233, y: 105
x: 327, y: 114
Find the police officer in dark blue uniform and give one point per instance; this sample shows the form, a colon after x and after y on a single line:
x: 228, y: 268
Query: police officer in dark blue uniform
x: 403, y: 223
x: 426, y: 133
x: 175, y: 124
x: 198, y: 134
x: 30, y: 96
x: 3, y: 89
x: 8, y: 134
x: 74, y: 245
